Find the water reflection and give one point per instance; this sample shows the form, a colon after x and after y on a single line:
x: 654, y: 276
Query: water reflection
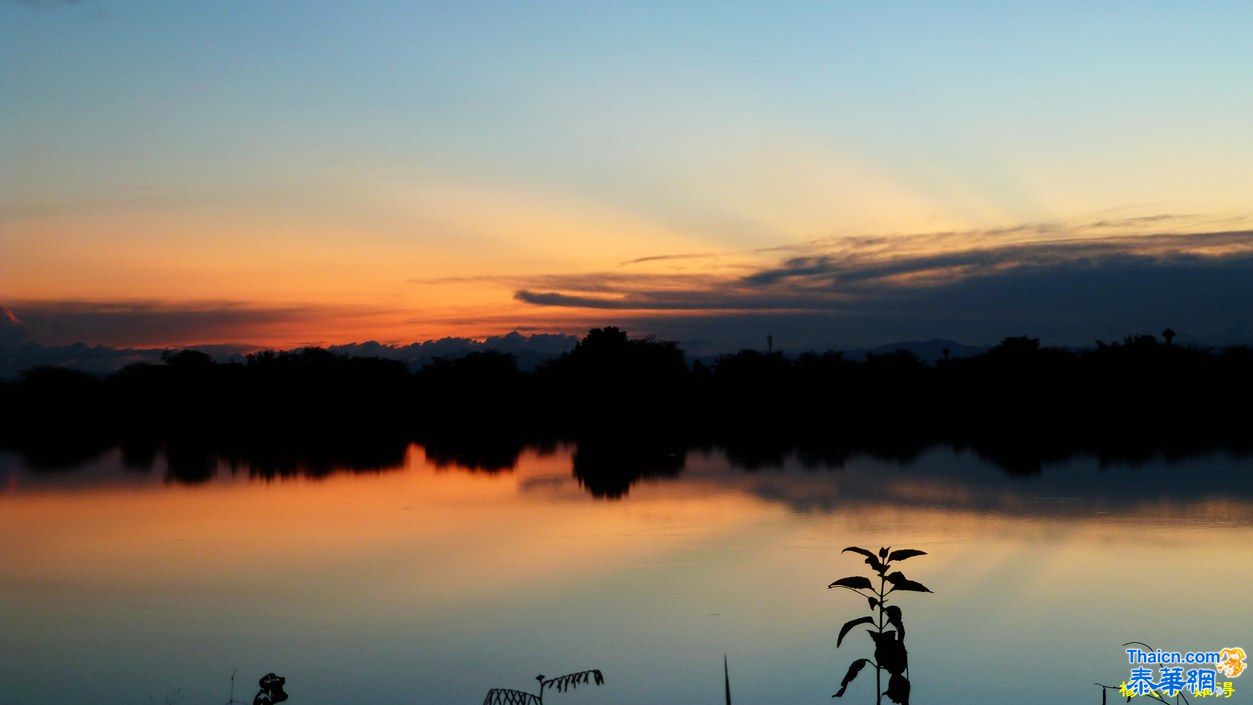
x: 457, y: 569
x: 805, y: 477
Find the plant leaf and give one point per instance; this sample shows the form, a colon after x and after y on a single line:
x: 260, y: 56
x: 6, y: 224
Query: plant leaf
x: 875, y: 564
x: 894, y: 618
x: 849, y: 625
x: 852, y: 582
x: 889, y: 652
x: 883, y: 551
x: 912, y: 586
x: 904, y: 553
x: 874, y: 602
x: 858, y: 549
x: 900, y: 582
x: 898, y: 689
x: 853, y: 669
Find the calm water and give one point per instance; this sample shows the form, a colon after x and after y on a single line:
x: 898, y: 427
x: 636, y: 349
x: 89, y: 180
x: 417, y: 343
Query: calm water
x: 427, y: 584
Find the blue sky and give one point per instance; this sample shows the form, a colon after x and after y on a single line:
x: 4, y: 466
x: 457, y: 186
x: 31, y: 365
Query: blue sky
x: 408, y: 166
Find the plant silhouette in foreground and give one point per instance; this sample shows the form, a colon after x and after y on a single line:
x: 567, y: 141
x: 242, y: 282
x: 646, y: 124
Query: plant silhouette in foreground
x: 505, y: 696
x: 271, y: 690
x: 889, y: 644
x: 230, y: 700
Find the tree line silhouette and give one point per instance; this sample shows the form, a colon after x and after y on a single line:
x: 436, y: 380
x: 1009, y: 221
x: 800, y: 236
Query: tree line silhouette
x: 634, y: 405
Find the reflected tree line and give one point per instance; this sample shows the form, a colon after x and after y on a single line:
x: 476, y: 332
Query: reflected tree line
x: 635, y: 407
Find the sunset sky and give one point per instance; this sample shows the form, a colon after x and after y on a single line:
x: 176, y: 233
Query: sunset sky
x: 831, y: 173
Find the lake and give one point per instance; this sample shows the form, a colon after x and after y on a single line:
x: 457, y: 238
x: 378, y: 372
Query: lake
x: 435, y: 580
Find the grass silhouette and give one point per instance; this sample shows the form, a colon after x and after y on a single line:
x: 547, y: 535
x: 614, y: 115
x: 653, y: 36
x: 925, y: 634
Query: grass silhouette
x: 569, y: 681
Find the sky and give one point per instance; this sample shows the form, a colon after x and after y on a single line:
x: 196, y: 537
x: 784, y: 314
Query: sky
x: 281, y: 174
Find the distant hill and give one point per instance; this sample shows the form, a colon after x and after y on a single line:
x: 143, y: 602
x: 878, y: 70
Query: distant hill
x: 17, y: 355
x: 529, y: 350
x: 926, y: 350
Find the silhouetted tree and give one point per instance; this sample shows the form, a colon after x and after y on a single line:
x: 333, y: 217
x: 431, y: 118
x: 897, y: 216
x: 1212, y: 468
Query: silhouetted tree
x: 310, y: 411
x: 609, y: 376
x: 187, y: 358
